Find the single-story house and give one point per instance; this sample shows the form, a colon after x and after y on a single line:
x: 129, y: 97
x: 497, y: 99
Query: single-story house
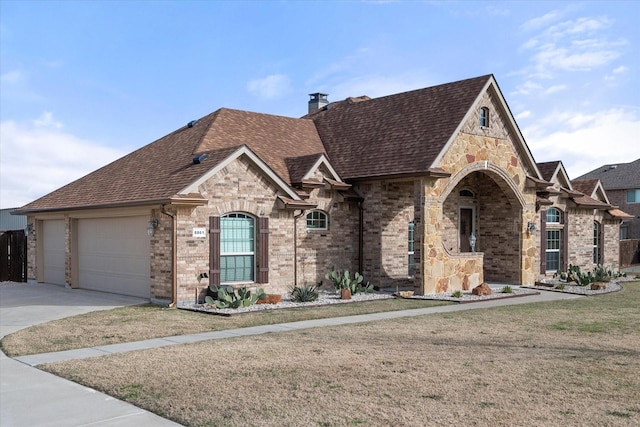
x: 395, y: 187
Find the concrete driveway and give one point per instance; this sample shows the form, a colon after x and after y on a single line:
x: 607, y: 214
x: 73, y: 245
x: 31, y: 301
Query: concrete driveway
x: 30, y: 397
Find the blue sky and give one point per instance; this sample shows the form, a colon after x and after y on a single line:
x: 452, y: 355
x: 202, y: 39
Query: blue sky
x: 85, y: 82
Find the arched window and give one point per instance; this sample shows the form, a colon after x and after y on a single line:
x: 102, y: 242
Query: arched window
x: 484, y: 117
x: 553, y: 216
x: 466, y: 193
x: 237, y: 248
x: 410, y: 248
x: 317, y: 220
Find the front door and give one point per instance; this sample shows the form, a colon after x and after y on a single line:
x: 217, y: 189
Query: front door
x: 465, y: 229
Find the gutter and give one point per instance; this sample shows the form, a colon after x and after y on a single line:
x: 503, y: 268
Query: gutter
x: 295, y: 246
x: 360, y: 236
x: 174, y: 257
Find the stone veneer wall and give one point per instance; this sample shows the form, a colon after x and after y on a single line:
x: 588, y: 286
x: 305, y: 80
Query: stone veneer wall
x: 490, y: 151
x: 32, y: 240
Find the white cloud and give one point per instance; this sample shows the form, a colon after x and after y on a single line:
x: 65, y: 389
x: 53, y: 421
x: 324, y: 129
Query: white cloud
x: 46, y: 120
x: 12, y: 76
x: 620, y: 70
x: 38, y: 157
x: 270, y: 87
x: 554, y: 89
x: 541, y: 21
x: 573, y: 45
x: 585, y: 141
x: 527, y: 88
x: 523, y: 115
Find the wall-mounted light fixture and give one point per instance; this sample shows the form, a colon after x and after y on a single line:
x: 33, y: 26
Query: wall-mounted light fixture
x: 29, y: 228
x: 472, y: 242
x: 151, y: 226
x: 531, y: 227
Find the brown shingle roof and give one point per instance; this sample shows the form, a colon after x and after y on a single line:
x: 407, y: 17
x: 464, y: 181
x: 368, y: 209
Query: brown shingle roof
x: 160, y: 170
x: 397, y: 134
x: 586, y: 186
x: 547, y: 169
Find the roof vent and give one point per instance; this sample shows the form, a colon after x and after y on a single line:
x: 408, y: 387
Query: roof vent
x: 192, y: 123
x: 317, y: 102
x: 200, y: 158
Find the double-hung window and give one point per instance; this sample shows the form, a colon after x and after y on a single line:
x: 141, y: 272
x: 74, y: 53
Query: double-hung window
x: 237, y: 248
x: 553, y: 241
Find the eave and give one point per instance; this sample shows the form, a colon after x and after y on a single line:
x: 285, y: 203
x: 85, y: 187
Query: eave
x: 436, y: 173
x: 178, y: 200
x: 337, y: 185
x: 533, y: 182
x: 287, y: 203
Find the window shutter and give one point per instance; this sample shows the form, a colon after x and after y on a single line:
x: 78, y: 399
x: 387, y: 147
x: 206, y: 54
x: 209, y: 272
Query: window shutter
x: 214, y: 250
x: 565, y: 242
x: 263, y: 250
x: 543, y: 241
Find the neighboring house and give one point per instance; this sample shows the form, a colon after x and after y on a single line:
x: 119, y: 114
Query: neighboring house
x: 622, y: 183
x: 392, y: 187
x: 9, y: 222
x: 578, y: 224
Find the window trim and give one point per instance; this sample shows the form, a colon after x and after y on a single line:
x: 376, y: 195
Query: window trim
x: 252, y: 253
x: 411, y: 241
x: 557, y: 250
x: 321, y: 214
x: 597, y: 242
x: 484, y: 117
x: 636, y: 196
x: 559, y: 216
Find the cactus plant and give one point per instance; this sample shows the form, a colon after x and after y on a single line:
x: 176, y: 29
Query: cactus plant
x: 226, y: 297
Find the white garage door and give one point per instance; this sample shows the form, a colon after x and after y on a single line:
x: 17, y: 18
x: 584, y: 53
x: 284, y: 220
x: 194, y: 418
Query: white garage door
x: 53, y: 251
x: 113, y: 255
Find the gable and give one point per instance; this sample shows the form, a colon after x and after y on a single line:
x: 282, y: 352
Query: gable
x: 394, y: 135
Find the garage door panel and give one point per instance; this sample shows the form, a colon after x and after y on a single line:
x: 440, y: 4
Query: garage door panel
x: 53, y: 251
x: 113, y: 255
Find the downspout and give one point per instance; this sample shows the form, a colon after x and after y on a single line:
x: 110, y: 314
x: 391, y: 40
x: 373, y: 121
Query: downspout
x: 360, y: 236
x: 295, y: 247
x: 174, y: 258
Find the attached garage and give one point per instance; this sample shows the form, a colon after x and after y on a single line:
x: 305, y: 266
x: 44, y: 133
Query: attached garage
x: 53, y: 251
x: 113, y: 255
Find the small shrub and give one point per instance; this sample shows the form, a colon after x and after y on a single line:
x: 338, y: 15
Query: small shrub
x: 304, y: 293
x: 507, y: 290
x: 456, y: 294
x: 560, y: 286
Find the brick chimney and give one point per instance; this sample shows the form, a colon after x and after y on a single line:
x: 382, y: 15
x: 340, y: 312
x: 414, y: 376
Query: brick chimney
x: 317, y: 102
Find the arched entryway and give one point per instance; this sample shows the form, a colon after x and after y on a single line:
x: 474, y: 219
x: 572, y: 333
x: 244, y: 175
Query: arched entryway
x: 487, y: 204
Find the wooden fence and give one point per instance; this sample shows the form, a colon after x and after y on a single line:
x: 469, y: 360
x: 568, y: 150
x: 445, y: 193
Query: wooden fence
x: 629, y: 252
x: 13, y: 256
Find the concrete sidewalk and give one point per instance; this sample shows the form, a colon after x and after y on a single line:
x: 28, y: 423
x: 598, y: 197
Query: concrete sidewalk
x: 31, y: 397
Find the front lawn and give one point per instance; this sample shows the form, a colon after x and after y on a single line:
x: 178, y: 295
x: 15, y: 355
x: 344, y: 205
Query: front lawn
x: 150, y: 321
x: 571, y: 362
